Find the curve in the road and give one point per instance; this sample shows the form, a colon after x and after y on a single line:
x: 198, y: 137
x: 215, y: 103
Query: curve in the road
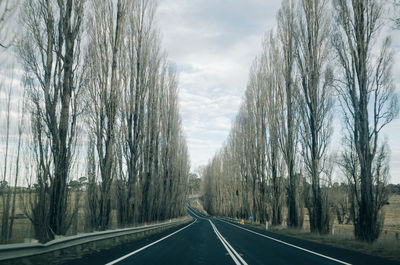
x: 210, y: 240
x: 149, y: 245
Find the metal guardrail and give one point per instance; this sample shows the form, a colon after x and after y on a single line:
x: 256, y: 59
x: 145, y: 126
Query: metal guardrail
x: 229, y: 219
x: 22, y: 250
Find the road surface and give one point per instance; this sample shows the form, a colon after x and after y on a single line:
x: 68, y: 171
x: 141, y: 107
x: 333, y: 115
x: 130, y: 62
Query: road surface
x: 209, y: 240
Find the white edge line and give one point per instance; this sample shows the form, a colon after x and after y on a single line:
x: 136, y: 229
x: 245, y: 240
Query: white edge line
x: 193, y: 213
x: 291, y: 245
x: 198, y: 213
x: 149, y: 245
x: 190, y: 210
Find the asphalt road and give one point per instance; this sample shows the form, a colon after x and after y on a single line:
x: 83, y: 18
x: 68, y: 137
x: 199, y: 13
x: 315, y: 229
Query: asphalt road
x: 209, y: 240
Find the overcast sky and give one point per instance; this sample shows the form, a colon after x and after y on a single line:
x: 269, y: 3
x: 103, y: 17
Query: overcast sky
x: 212, y: 43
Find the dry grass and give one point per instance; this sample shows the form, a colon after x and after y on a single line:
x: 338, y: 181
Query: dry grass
x: 387, y: 246
x: 23, y: 229
x: 196, y: 204
x: 383, y: 247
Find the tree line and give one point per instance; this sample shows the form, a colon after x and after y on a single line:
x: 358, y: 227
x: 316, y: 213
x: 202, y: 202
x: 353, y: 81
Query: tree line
x: 100, y: 95
x: 319, y: 61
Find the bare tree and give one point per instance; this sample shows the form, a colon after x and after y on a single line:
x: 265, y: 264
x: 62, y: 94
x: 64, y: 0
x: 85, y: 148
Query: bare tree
x: 367, y: 97
x: 134, y: 118
x: 5, y: 187
x: 238, y: 181
x: 256, y: 109
x: 49, y: 51
x: 396, y: 15
x: 7, y: 10
x: 104, y: 87
x: 288, y: 133
x: 273, y: 87
x: 92, y: 191
x: 140, y: 112
x: 227, y: 184
x: 312, y: 54
x: 17, y: 168
x: 174, y: 164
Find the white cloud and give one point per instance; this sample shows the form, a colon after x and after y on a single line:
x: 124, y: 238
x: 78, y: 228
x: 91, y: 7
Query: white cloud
x: 213, y: 44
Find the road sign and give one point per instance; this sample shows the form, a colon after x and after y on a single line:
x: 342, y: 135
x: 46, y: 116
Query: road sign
x: 242, y: 222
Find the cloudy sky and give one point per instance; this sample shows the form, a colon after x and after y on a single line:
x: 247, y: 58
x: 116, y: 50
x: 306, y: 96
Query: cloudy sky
x: 212, y: 43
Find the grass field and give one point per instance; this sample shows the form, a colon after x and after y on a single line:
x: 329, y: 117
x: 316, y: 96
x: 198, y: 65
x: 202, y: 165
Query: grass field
x: 23, y: 230
x: 387, y: 246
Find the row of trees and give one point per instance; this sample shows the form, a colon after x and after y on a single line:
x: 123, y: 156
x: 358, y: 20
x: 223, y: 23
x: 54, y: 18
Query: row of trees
x: 11, y: 134
x: 133, y: 116
x: 98, y: 82
x: 278, y: 147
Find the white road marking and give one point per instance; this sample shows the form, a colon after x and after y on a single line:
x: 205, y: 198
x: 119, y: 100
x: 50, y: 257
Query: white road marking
x: 199, y: 213
x: 192, y: 211
x: 288, y: 244
x: 232, y: 252
x: 149, y: 245
x: 225, y: 245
